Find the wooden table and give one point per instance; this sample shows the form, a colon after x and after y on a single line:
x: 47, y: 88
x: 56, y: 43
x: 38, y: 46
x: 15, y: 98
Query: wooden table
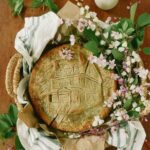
x: 10, y: 25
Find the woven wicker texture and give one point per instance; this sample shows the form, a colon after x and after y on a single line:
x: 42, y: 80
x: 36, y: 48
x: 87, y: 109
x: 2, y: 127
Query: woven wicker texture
x: 67, y: 94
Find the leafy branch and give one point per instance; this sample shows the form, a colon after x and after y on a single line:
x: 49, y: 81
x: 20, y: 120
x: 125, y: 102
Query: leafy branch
x: 8, y: 125
x: 18, y: 5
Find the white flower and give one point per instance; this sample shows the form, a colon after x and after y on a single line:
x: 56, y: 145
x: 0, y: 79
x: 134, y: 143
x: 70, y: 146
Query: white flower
x: 108, y: 52
x: 112, y: 64
x: 108, y: 20
x: 121, y: 114
x: 74, y: 136
x: 121, y: 49
x: 138, y: 109
x: 72, y: 39
x: 82, y: 11
x: 97, y: 33
x: 101, y: 61
x: 124, y: 73
x: 92, y: 59
x: 102, y: 42
x: 106, y: 35
x: 87, y: 7
x: 141, y: 72
x: 68, y: 22
x: 116, y: 35
x: 114, y: 44
x: 93, y: 14
x: 82, y: 23
x: 91, y: 25
x: 88, y: 16
x: 114, y: 76
x: 66, y: 53
x: 109, y: 103
x: 117, y: 104
x: 97, y: 121
x: 134, y: 104
x: 130, y: 80
x: 136, y: 57
x: 124, y: 44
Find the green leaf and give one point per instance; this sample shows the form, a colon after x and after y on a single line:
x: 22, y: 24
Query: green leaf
x: 16, y: 6
x: 133, y: 113
x: 18, y: 144
x: 13, y: 113
x: 4, y: 126
x: 90, y: 35
x: 93, y: 47
x: 9, y: 133
x: 133, y: 11
x: 125, y: 26
x: 6, y: 118
x: 143, y: 20
x: 128, y: 104
x: 118, y: 55
x: 51, y: 5
x: 147, y: 50
x: 37, y: 3
x: 130, y: 31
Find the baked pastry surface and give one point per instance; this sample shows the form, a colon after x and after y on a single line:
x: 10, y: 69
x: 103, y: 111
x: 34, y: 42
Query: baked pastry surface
x: 67, y: 94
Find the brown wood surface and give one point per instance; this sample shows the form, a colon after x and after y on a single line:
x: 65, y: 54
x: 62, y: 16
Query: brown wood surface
x: 10, y: 25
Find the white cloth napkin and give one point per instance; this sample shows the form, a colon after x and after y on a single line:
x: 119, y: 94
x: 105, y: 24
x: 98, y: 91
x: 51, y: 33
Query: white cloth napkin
x: 32, y: 139
x: 130, y: 138
x: 31, y: 41
x: 33, y: 38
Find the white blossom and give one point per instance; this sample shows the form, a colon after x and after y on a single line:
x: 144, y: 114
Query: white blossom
x: 102, y: 42
x: 114, y: 44
x: 101, y: 61
x: 68, y: 22
x: 121, y: 49
x: 112, y: 64
x: 82, y: 11
x: 141, y: 72
x: 106, y: 35
x: 92, y: 59
x: 124, y: 44
x: 136, y: 57
x: 97, y: 33
x: 138, y: 109
x: 97, y: 121
x: 66, y: 53
x: 134, y: 104
x: 121, y: 114
x: 72, y: 39
x: 116, y: 35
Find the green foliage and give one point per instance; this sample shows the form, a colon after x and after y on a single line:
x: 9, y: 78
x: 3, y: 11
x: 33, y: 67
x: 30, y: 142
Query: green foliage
x: 18, y: 144
x: 90, y: 35
x: 133, y: 12
x: 48, y: 3
x: 127, y: 104
x: 93, y: 47
x: 143, y: 20
x: 118, y: 55
x: 133, y: 114
x: 16, y: 6
x: 147, y: 50
x: 8, y: 122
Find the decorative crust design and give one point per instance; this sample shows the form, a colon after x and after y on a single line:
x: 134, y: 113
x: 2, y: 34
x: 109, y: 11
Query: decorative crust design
x: 67, y: 94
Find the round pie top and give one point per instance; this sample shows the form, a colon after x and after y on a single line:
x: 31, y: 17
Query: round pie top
x: 67, y: 94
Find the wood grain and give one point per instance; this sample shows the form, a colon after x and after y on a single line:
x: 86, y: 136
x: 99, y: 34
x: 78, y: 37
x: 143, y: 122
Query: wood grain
x: 10, y: 25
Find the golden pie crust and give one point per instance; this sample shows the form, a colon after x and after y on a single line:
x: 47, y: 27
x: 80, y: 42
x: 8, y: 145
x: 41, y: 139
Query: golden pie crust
x: 67, y: 94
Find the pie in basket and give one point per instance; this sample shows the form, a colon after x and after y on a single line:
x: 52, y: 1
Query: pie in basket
x: 67, y: 94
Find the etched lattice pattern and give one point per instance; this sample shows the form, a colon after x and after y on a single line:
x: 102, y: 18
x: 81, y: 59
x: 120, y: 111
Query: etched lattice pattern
x: 69, y: 93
